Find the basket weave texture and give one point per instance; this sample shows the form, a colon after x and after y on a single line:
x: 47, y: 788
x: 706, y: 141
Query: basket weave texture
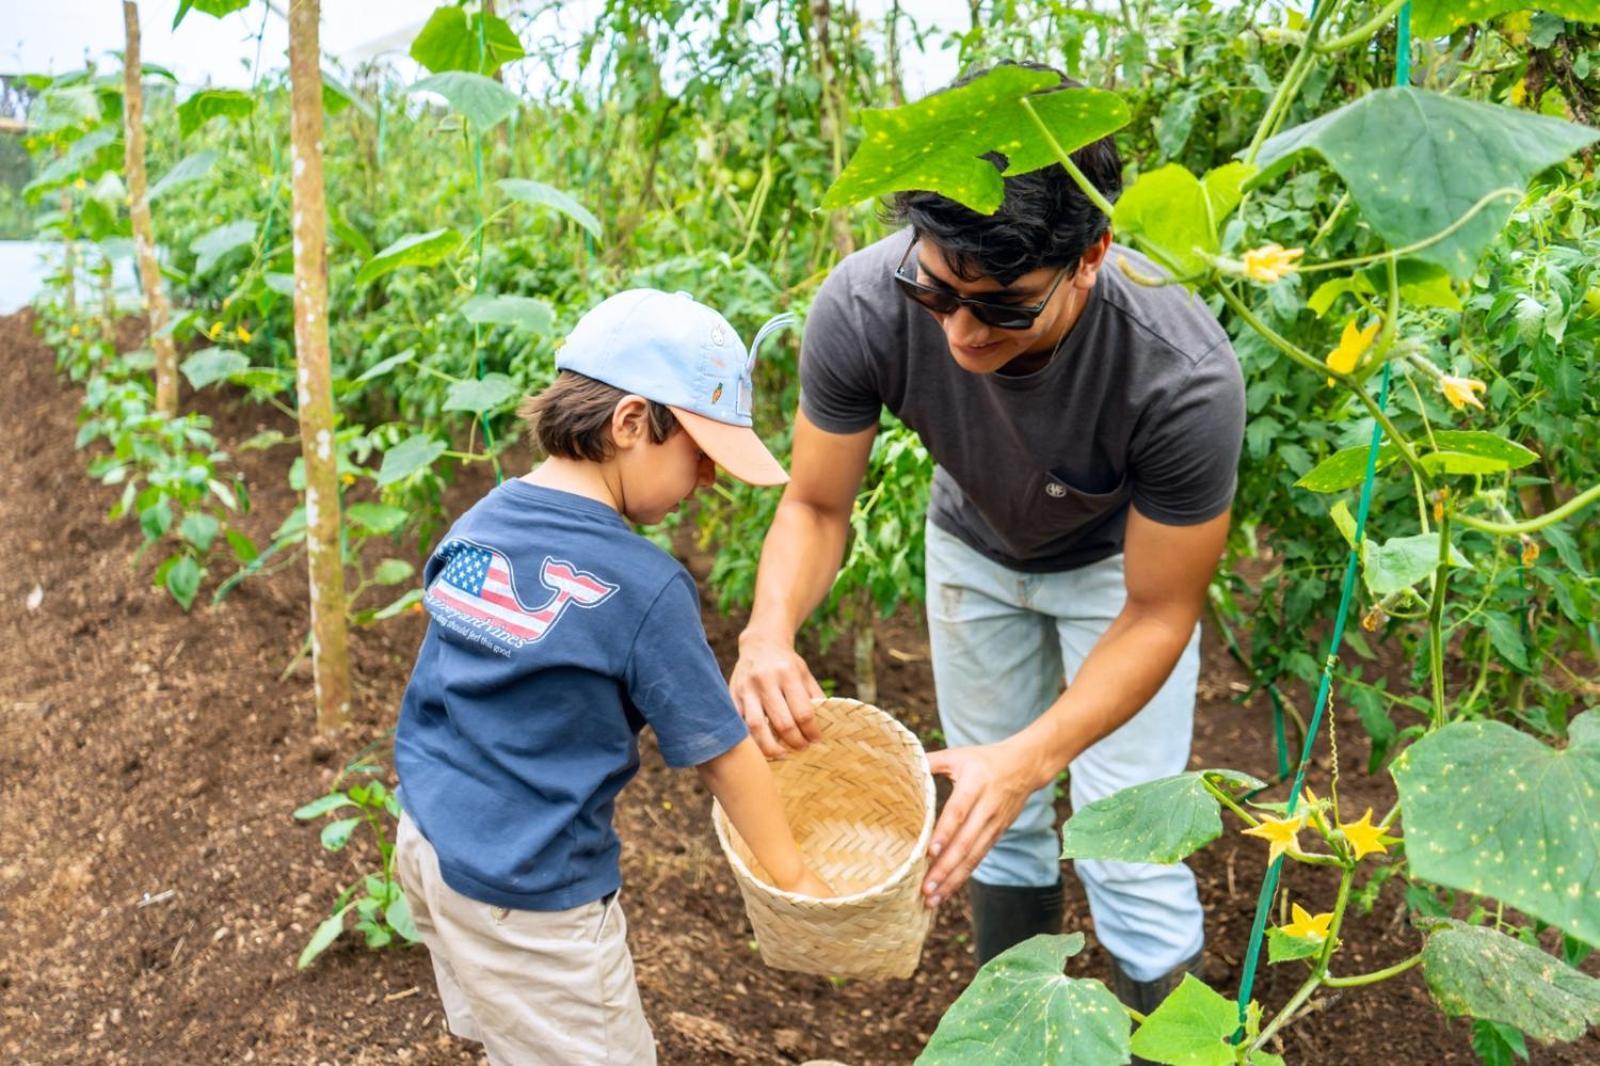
x: 860, y: 803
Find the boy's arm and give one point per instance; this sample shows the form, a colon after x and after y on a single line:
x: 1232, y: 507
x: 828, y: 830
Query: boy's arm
x: 742, y: 783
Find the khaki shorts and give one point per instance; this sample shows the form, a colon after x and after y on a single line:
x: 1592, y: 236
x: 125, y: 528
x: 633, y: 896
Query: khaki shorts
x: 544, y: 988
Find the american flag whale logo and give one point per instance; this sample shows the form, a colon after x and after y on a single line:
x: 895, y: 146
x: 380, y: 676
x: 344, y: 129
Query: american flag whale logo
x: 477, y: 582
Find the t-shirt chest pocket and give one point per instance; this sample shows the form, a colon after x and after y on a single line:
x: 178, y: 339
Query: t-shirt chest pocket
x: 1061, y: 508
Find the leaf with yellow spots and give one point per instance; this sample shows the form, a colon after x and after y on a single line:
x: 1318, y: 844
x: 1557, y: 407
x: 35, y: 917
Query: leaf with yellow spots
x: 1366, y: 838
x: 1021, y: 1008
x: 1491, y: 810
x: 1282, y: 833
x: 1483, y: 973
x: 940, y: 142
x: 1415, y: 162
x: 1435, y: 18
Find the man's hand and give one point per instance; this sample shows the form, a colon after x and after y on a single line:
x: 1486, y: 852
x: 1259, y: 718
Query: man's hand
x: 991, y: 783
x: 773, y: 689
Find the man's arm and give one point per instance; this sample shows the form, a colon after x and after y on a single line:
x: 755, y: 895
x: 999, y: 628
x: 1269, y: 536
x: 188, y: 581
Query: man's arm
x: 1167, y: 570
x: 771, y: 685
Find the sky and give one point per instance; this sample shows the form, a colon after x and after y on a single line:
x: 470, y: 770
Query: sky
x: 58, y: 35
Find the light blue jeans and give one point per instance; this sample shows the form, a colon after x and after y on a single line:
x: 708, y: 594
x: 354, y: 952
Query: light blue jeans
x: 1003, y: 642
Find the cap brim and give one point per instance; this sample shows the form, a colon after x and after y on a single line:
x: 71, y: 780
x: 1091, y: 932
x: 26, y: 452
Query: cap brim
x: 734, y: 448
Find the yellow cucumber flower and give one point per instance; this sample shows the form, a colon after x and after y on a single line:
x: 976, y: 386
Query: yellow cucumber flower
x: 1462, y: 391
x: 1352, y: 346
x: 1530, y: 550
x: 242, y: 333
x: 1282, y: 833
x: 1365, y: 837
x: 215, y: 331
x: 1271, y: 263
x: 1307, y: 926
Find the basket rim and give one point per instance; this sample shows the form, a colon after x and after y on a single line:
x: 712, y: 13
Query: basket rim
x: 721, y: 823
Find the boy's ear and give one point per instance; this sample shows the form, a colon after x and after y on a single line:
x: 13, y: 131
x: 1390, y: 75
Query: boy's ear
x: 630, y: 421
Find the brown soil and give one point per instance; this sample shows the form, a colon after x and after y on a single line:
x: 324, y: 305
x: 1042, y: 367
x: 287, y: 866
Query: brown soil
x: 144, y: 750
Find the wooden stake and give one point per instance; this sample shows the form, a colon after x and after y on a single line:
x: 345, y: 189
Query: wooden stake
x: 329, y: 642
x: 144, y: 238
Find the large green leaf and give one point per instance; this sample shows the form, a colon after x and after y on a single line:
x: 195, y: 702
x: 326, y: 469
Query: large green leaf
x: 94, y: 152
x: 376, y: 517
x: 1400, y: 562
x: 409, y: 456
x: 449, y: 41
x: 480, y: 394
x: 539, y: 194
x: 522, y: 312
x: 1345, y: 468
x: 1416, y: 162
x: 213, y: 244
x: 1178, y: 216
x: 208, y: 104
x: 186, y: 171
x: 414, y: 249
x: 1435, y: 18
x: 1159, y: 821
x: 1491, y: 810
x: 1193, y: 1026
x: 214, y: 8
x: 1459, y: 451
x: 484, y: 101
x: 1421, y: 285
x: 1475, y: 451
x: 210, y: 365
x: 1484, y: 973
x: 939, y: 143
x: 1022, y: 1010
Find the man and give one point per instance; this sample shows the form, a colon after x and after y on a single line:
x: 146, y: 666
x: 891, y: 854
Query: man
x: 1086, y: 431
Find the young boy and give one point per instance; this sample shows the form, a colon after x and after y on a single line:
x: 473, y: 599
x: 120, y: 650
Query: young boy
x: 557, y: 634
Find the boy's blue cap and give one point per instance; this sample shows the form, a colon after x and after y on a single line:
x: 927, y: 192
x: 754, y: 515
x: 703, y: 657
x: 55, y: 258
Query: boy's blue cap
x: 668, y: 348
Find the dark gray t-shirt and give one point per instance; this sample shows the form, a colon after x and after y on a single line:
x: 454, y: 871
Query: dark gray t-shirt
x: 1144, y: 403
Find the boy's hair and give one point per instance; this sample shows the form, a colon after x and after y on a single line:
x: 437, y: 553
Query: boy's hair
x: 571, y: 418
x: 1045, y: 220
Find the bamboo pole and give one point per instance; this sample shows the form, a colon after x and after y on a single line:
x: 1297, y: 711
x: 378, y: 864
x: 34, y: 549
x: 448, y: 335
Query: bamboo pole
x: 832, y: 115
x: 329, y: 642
x: 144, y: 239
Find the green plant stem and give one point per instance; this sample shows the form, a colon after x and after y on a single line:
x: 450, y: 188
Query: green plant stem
x: 1441, y: 579
x: 1533, y: 525
x: 1227, y: 801
x: 1416, y: 246
x: 1327, y: 223
x: 1295, y: 353
x: 1065, y: 159
x: 1319, y: 972
x: 1292, y: 80
x: 1364, y: 31
x: 1375, y: 976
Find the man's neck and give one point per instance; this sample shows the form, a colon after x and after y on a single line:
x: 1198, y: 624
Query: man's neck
x: 1031, y: 362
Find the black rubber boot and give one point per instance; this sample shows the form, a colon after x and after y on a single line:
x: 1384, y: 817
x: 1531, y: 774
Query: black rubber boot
x: 1006, y: 915
x: 1146, y: 996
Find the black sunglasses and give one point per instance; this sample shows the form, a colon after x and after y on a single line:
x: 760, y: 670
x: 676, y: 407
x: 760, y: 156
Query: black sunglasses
x: 944, y: 302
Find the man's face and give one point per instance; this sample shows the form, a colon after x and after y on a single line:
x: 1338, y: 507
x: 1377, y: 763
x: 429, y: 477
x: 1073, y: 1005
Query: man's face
x: 982, y: 349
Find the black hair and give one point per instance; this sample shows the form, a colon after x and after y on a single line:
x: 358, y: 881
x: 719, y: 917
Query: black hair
x: 1044, y: 220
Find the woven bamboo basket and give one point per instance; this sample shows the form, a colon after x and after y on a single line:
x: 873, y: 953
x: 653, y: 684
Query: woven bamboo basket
x: 860, y: 803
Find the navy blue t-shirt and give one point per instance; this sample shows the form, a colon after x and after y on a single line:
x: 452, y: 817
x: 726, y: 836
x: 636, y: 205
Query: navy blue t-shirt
x: 557, y: 633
